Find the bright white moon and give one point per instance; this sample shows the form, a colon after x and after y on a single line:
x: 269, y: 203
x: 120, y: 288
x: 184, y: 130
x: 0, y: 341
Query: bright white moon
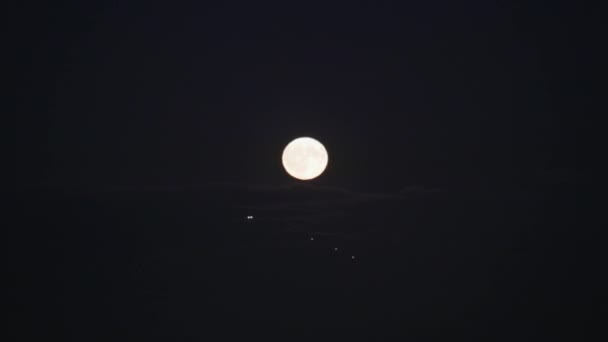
x: 305, y: 158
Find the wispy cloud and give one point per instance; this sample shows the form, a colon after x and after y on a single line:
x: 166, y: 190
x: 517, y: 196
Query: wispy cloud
x: 310, y: 207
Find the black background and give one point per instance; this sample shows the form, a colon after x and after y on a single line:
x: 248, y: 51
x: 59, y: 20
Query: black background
x: 125, y: 112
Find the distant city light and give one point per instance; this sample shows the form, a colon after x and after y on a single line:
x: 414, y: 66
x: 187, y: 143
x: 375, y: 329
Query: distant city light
x: 352, y: 257
x: 336, y: 249
x: 312, y: 238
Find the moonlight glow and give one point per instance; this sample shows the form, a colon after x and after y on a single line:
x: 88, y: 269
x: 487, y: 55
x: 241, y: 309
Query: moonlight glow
x: 305, y: 158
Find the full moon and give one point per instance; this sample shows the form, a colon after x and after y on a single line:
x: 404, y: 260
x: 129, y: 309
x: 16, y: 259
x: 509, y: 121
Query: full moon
x: 305, y: 158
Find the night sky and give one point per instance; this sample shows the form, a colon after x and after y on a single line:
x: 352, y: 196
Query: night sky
x: 145, y: 133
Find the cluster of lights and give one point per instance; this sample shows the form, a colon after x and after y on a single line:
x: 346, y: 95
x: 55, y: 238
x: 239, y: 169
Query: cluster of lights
x: 335, y: 248
x: 250, y: 217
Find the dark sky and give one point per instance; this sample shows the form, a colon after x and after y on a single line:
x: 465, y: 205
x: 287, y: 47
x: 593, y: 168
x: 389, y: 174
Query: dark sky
x: 145, y: 132
x: 150, y: 94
